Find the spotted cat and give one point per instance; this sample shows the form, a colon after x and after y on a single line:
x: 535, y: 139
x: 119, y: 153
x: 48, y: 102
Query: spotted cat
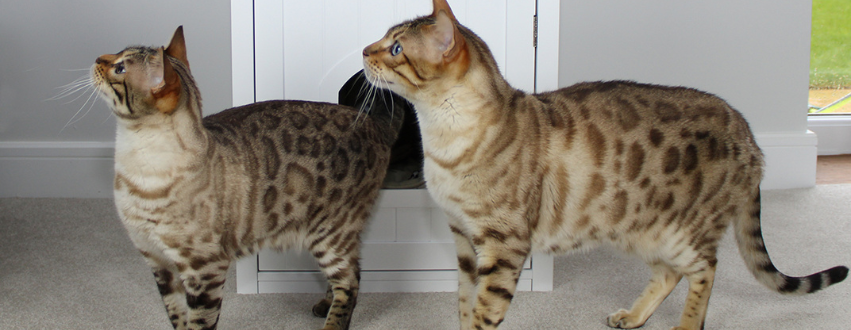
x: 197, y: 193
x: 656, y: 171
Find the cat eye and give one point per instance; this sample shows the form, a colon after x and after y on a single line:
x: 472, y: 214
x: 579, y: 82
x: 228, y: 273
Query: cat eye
x: 396, y: 49
x: 119, y: 68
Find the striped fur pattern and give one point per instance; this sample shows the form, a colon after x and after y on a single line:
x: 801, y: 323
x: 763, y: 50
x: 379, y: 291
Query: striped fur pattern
x: 195, y: 194
x: 659, y: 172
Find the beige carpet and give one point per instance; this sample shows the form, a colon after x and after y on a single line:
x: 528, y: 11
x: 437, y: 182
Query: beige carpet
x: 67, y: 264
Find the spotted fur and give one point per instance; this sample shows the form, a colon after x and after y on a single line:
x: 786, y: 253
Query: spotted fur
x: 195, y: 194
x: 656, y: 171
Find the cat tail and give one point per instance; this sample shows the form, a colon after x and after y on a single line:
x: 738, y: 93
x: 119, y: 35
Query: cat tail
x: 752, y: 249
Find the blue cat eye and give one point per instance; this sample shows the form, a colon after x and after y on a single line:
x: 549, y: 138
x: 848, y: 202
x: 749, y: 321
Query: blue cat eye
x: 119, y: 67
x: 396, y: 49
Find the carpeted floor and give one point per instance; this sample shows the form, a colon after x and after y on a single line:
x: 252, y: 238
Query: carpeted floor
x: 67, y: 264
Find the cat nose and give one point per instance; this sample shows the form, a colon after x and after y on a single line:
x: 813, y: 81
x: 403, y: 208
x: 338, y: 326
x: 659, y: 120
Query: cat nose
x: 370, y: 49
x: 106, y: 59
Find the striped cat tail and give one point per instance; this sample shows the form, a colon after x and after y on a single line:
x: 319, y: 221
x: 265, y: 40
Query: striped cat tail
x: 752, y: 249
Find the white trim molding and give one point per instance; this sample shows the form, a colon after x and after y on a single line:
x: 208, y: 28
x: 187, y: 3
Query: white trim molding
x: 834, y: 133
x: 85, y: 169
x: 56, y: 169
x: 790, y: 159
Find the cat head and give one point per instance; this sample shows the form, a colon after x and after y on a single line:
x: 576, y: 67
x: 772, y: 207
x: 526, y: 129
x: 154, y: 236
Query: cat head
x: 423, y: 55
x: 140, y: 81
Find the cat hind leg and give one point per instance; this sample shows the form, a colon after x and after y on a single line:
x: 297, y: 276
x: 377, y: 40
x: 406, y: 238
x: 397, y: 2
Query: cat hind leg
x: 343, y: 274
x: 699, y: 287
x: 662, y: 282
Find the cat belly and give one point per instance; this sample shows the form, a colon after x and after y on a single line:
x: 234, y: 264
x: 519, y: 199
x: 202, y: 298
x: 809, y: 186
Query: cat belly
x: 564, y: 243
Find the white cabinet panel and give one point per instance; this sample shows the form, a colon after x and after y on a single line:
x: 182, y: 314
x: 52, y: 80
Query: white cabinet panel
x: 307, y: 50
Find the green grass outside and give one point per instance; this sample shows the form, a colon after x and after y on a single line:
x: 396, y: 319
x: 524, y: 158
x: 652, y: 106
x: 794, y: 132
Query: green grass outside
x: 830, y: 52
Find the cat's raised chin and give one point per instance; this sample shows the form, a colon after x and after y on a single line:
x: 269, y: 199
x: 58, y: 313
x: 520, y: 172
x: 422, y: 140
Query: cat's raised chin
x: 158, y: 125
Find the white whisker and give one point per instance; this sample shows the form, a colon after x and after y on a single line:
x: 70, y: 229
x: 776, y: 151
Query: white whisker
x: 82, y: 88
x: 73, y: 70
x: 72, y: 87
x: 110, y: 115
x: 73, y: 121
x: 329, y: 70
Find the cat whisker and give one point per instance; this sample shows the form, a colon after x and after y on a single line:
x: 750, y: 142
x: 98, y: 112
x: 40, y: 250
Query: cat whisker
x: 363, y: 87
x: 74, y: 70
x: 342, y: 59
x: 108, y: 117
x: 363, y: 107
x: 391, y: 105
x: 84, y: 88
x: 73, y: 121
x: 72, y: 87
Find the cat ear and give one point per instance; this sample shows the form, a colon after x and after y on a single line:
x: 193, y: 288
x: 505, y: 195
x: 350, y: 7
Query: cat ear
x: 177, y: 47
x: 449, y: 40
x: 442, y: 5
x: 166, y: 85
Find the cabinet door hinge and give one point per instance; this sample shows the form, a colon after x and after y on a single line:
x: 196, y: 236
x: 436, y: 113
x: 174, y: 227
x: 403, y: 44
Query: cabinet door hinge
x: 535, y: 31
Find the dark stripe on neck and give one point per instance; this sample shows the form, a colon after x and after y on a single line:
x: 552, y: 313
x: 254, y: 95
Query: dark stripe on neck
x: 403, y: 77
x: 127, y: 98
x: 416, y: 72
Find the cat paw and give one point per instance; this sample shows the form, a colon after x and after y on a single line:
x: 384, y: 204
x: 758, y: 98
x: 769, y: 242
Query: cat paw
x: 321, y: 308
x: 622, y: 319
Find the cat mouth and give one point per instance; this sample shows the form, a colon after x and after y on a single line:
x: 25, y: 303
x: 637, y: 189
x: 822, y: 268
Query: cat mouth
x: 375, y: 80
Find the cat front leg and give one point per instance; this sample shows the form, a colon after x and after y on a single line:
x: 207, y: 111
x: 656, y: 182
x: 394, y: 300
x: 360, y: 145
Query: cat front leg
x: 662, y: 282
x: 467, y: 277
x: 203, y: 283
x: 500, y: 260
x: 169, y: 285
x: 323, y: 306
x: 171, y: 289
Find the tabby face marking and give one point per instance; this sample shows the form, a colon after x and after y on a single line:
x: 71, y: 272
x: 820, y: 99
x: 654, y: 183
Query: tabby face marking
x: 195, y: 194
x: 653, y: 170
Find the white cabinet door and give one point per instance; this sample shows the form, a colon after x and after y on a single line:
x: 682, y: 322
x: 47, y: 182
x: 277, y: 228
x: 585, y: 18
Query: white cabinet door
x: 307, y: 49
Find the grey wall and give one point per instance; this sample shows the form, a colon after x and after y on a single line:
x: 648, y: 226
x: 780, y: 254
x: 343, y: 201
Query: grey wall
x: 754, y: 54
x: 45, y: 44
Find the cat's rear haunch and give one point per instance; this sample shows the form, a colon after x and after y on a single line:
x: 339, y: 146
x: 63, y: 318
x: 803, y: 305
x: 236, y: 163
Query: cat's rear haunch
x: 197, y: 193
x: 656, y: 171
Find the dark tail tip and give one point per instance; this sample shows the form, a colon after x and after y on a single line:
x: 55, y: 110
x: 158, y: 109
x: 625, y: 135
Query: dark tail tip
x: 814, y: 282
x: 834, y: 275
x: 837, y: 274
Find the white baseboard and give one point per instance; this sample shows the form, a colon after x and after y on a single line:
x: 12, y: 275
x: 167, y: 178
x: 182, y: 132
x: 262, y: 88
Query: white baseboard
x: 85, y: 169
x: 56, y: 169
x: 790, y: 160
x: 834, y: 134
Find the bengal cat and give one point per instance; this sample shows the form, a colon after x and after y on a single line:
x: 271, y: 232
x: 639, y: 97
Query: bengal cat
x: 656, y: 171
x: 195, y: 194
